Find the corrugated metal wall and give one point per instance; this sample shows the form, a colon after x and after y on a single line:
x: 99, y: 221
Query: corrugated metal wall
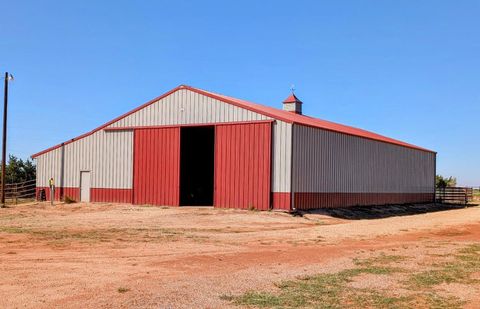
x: 324, y: 161
x: 109, y: 155
x: 157, y: 166
x: 281, y: 156
x: 242, y: 166
x: 330, y: 162
x: 186, y: 107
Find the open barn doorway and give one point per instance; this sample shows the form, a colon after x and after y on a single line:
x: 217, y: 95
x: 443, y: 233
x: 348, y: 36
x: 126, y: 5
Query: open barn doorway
x: 196, y: 165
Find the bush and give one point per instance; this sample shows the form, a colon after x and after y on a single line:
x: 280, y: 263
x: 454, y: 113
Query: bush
x: 69, y: 200
x: 443, y: 182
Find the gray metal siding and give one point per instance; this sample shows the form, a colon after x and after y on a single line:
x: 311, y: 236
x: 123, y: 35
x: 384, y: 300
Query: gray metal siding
x: 326, y: 161
x: 109, y: 155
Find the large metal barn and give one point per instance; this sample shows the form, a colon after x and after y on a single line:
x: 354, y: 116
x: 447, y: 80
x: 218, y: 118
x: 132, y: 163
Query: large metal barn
x: 193, y: 147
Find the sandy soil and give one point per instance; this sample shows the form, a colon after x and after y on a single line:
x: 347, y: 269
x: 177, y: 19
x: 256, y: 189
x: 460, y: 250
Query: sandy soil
x: 121, y: 256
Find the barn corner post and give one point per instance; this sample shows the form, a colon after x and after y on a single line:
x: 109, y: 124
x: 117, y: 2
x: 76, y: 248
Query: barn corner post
x: 292, y: 178
x: 272, y: 150
x: 132, y: 192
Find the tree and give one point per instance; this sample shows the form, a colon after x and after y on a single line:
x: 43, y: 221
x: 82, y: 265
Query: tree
x: 30, y: 170
x: 18, y: 170
x: 443, y: 182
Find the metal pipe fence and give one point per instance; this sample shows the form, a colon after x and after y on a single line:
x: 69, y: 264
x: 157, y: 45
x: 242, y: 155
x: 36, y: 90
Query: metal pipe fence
x: 454, y: 195
x: 15, y: 192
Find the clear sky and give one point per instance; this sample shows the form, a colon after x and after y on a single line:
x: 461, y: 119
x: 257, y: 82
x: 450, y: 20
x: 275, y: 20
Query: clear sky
x: 406, y: 69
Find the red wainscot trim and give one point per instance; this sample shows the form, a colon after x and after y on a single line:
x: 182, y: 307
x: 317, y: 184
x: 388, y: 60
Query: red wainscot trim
x: 111, y: 195
x: 96, y: 194
x: 281, y: 200
x: 60, y: 193
x: 313, y: 200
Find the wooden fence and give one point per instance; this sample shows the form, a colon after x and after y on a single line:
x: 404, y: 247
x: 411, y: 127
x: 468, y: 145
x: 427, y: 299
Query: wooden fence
x: 454, y: 195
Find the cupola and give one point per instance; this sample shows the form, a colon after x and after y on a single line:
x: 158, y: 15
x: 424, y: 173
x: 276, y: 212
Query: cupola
x: 292, y: 104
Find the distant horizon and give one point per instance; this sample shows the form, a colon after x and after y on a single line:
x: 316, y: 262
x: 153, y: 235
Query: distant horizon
x: 408, y: 71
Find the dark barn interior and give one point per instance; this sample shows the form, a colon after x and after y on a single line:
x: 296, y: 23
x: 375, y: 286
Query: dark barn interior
x: 197, y: 165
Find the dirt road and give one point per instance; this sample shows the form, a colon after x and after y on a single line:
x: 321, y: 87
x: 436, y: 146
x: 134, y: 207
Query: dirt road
x: 110, y: 255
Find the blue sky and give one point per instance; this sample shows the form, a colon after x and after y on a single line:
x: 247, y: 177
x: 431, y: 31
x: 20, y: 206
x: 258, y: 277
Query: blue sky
x: 406, y: 69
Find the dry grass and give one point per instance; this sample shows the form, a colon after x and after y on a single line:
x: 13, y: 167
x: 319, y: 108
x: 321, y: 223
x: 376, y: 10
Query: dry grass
x: 99, y: 235
x: 109, y: 255
x: 332, y: 290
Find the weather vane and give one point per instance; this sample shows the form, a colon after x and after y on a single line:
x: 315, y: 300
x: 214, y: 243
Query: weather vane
x: 292, y: 87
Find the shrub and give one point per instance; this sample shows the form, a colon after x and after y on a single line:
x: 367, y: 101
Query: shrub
x: 69, y: 200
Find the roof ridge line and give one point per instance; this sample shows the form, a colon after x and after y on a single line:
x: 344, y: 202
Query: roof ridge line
x: 254, y: 107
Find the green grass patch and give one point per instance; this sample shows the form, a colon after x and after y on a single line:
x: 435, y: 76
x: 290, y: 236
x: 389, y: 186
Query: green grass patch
x: 333, y: 291
x: 258, y: 299
x: 319, y: 291
x: 436, y: 301
x: 449, y: 273
x: 381, y: 259
x: 467, y: 261
x: 373, y: 299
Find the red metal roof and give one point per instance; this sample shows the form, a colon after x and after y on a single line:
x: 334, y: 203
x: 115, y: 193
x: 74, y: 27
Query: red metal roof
x: 261, y: 109
x: 307, y: 121
x: 292, y: 99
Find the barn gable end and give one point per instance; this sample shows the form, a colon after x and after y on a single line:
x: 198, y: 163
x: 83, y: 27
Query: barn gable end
x: 108, y: 154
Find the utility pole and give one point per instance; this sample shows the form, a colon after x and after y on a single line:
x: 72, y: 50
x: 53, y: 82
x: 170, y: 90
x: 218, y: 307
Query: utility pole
x: 8, y: 77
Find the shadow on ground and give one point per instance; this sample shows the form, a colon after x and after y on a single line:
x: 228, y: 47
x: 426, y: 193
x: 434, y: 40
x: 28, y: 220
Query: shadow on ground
x: 385, y: 211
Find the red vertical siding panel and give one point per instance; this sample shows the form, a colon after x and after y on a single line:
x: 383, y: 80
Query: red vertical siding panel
x: 111, y: 195
x: 267, y: 168
x: 242, y: 165
x: 249, y: 150
x: 256, y: 163
x: 156, y: 166
x: 177, y: 161
x: 261, y: 163
x: 235, y: 166
x: 281, y: 200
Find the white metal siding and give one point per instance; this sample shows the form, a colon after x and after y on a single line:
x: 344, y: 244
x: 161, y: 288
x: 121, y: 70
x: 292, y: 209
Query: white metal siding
x: 281, y: 158
x: 326, y: 161
x: 187, y: 107
x: 109, y: 155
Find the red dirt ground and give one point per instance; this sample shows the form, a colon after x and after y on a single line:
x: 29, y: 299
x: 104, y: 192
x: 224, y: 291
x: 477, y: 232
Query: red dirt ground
x: 121, y: 256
